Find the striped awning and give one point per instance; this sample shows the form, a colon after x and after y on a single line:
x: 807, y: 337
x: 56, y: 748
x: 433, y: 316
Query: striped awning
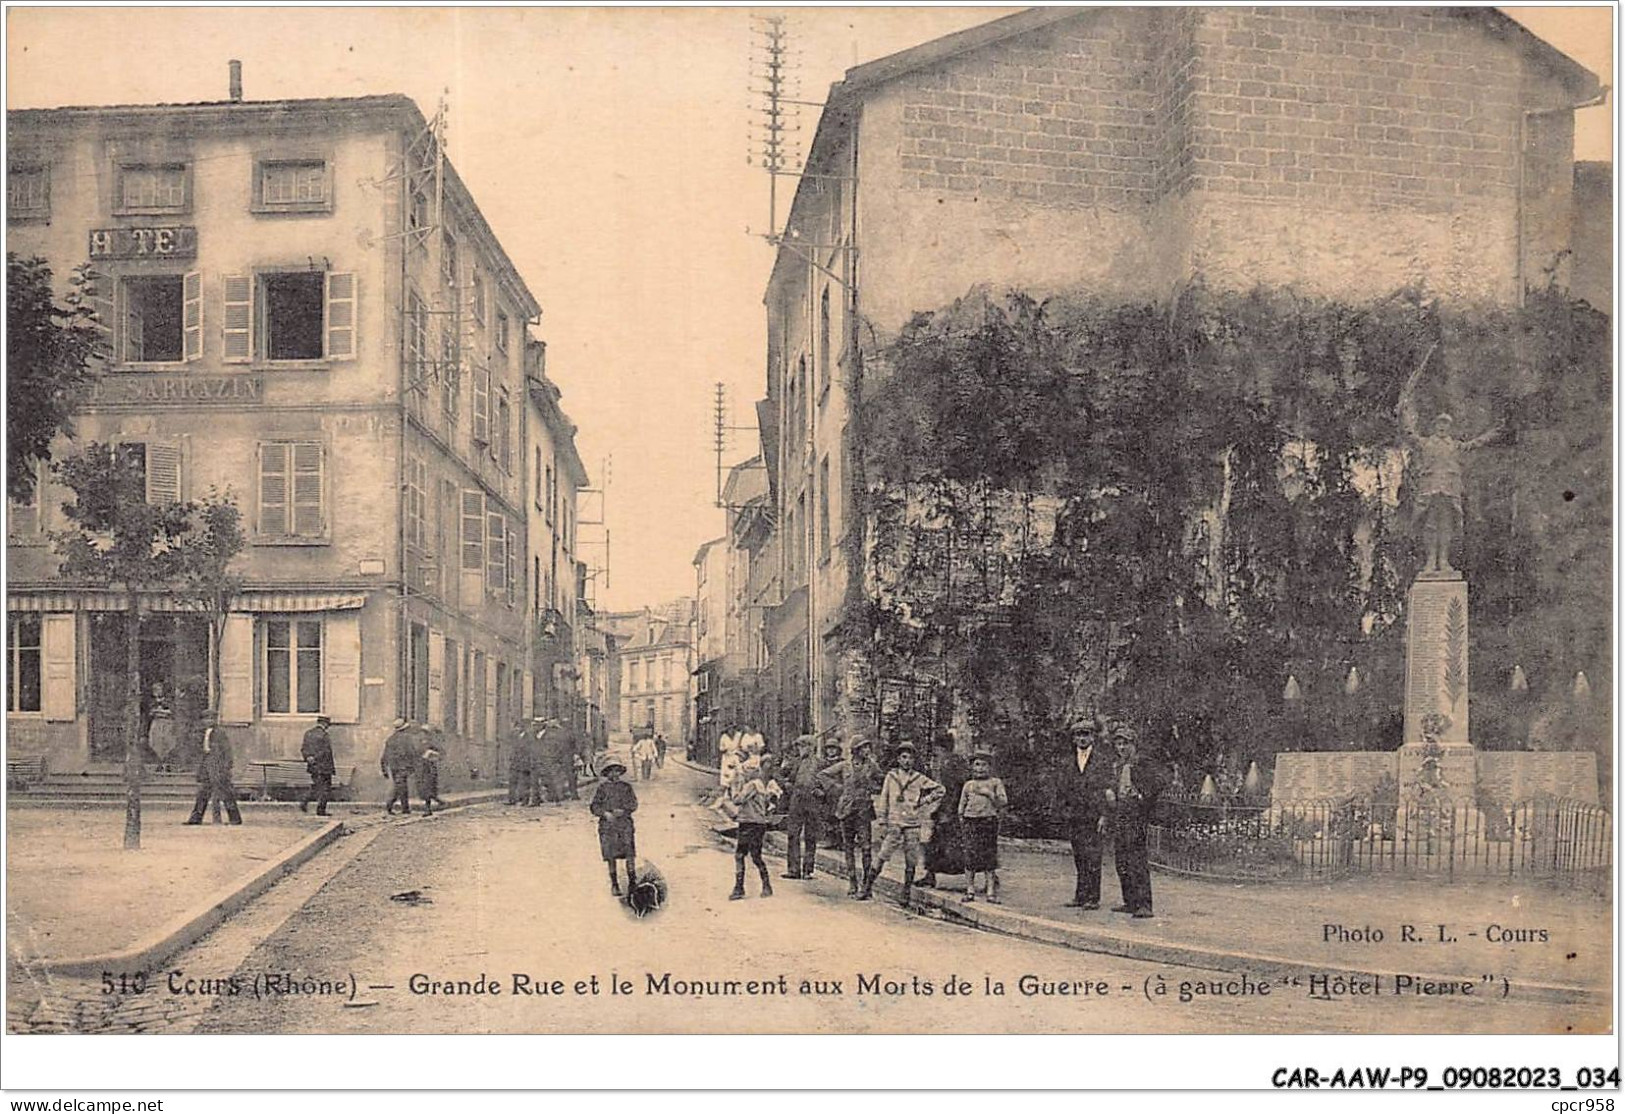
x: 277, y: 602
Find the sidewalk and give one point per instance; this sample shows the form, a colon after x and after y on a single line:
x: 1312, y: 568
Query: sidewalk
x: 1292, y: 928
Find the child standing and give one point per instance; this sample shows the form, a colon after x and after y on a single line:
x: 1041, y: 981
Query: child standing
x: 980, y: 804
x: 613, y: 804
x: 749, y: 802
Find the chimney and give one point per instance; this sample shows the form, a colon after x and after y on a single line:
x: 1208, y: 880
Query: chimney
x: 236, y: 79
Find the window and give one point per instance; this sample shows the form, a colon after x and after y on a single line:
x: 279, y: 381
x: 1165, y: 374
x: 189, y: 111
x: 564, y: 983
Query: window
x: 502, y: 332
x: 417, y: 484
x: 417, y: 677
x: 823, y: 343
x: 25, y: 519
x: 152, y: 188
x: 503, y: 448
x: 293, y: 186
x: 291, y: 490
x: 451, y: 367
x: 158, y: 464
x: 537, y: 490
x: 417, y: 345
x: 28, y: 192
x: 293, y: 666
x: 496, y: 556
x: 536, y: 587
x: 478, y: 297
x: 23, y: 671
x: 547, y: 505
x: 512, y: 571
x: 289, y: 315
x: 473, y: 531
x: 159, y: 318
x: 417, y: 215
x: 453, y: 674
x: 448, y: 257
x: 482, y: 406
x: 665, y: 672
x: 823, y: 507
x: 633, y: 676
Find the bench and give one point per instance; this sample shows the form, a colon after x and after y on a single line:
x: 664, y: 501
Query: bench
x: 286, y: 779
x: 24, y: 772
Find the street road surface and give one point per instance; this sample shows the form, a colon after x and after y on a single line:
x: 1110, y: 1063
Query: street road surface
x: 522, y: 892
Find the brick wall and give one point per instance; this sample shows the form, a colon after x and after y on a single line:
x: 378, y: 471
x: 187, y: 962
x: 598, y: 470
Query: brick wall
x: 1405, y: 107
x: 1063, y: 116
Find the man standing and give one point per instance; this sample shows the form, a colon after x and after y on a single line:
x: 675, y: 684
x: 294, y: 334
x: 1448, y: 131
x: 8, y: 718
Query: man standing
x: 907, y: 801
x: 214, y: 772
x: 1139, y: 783
x: 1086, y: 780
x: 852, y: 785
x: 317, y: 751
x: 398, y: 762
x: 521, y: 771
x: 643, y: 757
x: 805, y: 810
x: 556, y: 761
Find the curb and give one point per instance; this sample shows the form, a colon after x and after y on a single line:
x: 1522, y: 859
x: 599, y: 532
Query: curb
x: 196, y: 922
x: 1006, y: 922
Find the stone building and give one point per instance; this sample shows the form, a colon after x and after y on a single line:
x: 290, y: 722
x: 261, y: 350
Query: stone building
x: 1120, y: 152
x: 711, y: 667
x: 654, y: 661
x: 306, y: 309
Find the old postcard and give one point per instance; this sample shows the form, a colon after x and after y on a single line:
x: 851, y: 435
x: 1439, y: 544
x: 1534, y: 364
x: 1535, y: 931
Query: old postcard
x: 842, y: 521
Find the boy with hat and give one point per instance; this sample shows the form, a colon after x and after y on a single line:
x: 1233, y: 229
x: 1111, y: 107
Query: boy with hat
x: 317, y: 751
x: 750, y: 803
x: 980, y: 803
x: 853, y: 785
x: 613, y: 804
x: 907, y: 800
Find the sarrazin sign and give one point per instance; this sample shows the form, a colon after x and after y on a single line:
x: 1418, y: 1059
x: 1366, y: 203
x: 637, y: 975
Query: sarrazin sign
x: 178, y: 388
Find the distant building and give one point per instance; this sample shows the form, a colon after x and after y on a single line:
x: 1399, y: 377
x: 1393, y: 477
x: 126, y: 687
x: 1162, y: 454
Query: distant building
x: 711, y: 672
x: 305, y: 307
x: 655, y: 654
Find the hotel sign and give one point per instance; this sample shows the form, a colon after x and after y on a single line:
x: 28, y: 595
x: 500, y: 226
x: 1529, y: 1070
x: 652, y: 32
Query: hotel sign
x: 179, y: 390
x: 167, y: 242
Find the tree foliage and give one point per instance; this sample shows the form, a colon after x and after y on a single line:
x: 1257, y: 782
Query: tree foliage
x: 1228, y: 513
x: 53, y: 351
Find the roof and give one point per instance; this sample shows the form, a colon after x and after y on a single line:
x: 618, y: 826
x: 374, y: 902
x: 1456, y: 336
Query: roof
x: 544, y: 396
x: 846, y: 95
x: 265, y: 113
x: 699, y: 554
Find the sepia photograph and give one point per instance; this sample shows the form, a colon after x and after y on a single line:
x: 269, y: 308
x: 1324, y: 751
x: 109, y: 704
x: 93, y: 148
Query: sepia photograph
x: 848, y: 521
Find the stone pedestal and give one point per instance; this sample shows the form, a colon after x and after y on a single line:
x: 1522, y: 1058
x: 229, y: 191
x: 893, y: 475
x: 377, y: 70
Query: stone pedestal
x: 1436, y: 661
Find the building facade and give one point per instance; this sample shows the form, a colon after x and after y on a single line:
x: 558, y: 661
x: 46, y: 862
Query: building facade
x: 306, y: 310
x: 1120, y: 152
x: 655, y: 657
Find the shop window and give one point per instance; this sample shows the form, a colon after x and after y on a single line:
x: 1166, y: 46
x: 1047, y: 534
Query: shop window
x: 153, y: 188
x: 28, y: 192
x: 293, y: 666
x: 23, y: 664
x: 293, y: 186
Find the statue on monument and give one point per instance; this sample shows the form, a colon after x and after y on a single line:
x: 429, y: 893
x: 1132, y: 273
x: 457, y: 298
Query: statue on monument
x: 1439, y: 476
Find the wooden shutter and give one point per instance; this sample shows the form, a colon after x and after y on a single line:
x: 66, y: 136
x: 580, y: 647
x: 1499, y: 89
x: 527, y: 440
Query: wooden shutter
x: 192, y: 317
x: 482, y: 406
x: 274, y: 489
x: 472, y: 565
x: 59, y: 659
x: 237, y: 670
x: 437, y: 678
x: 308, y: 519
x: 341, y: 667
x: 163, y: 472
x: 491, y: 727
x: 512, y: 568
x: 100, y: 293
x: 339, y: 317
x: 496, y: 550
x: 237, y: 319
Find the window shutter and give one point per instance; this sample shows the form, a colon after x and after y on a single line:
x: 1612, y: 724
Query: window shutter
x: 100, y: 293
x: 437, y: 678
x: 237, y: 319
x: 496, y: 559
x: 512, y: 563
x: 341, y: 665
x: 237, y: 670
x: 308, y: 520
x: 135, y: 325
x: 274, y: 489
x: 491, y: 726
x: 163, y: 472
x: 192, y: 317
x: 340, y: 316
x: 472, y: 565
x: 58, y: 698
x: 482, y: 406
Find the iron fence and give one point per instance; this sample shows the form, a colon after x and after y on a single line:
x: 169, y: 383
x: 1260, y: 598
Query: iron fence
x: 1320, y: 840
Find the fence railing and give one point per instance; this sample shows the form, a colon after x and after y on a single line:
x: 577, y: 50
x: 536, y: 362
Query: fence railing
x: 1313, y: 840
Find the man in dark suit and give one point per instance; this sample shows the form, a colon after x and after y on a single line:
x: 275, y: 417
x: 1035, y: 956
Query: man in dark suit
x: 1140, y: 780
x: 317, y: 751
x: 1086, y: 781
x: 214, y: 773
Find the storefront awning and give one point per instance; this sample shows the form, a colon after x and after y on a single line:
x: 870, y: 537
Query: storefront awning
x: 277, y: 602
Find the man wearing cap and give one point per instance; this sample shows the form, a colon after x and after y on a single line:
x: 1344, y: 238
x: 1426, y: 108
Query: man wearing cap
x: 614, y: 803
x: 214, y: 772
x: 1138, y: 784
x: 1085, y: 781
x: 854, y: 783
x: 805, y: 808
x: 398, y: 762
x: 907, y: 801
x: 317, y: 751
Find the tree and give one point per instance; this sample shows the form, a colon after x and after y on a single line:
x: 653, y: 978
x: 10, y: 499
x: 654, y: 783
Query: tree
x: 120, y: 540
x: 53, y: 352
